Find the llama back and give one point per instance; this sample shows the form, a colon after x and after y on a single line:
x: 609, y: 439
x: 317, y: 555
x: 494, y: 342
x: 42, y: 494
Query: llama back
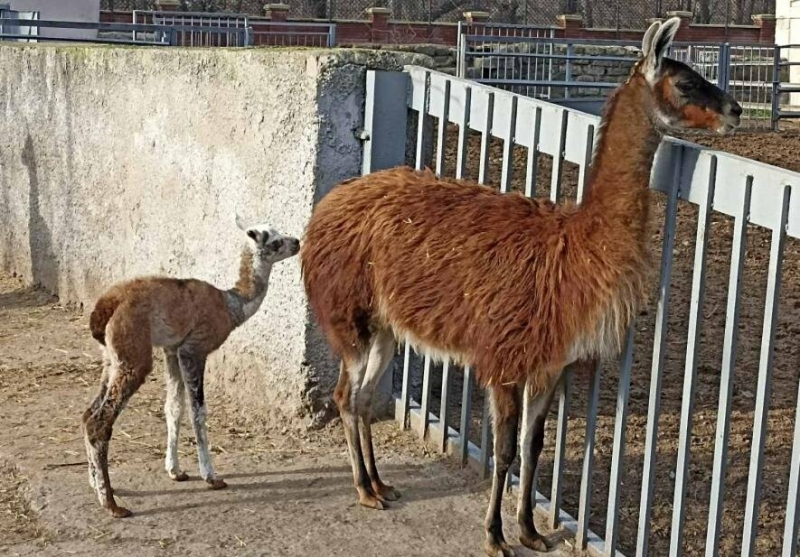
x: 455, y: 269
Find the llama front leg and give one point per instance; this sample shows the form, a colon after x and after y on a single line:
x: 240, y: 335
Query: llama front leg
x: 534, y: 413
x: 192, y: 370
x: 505, y: 420
x: 173, y: 410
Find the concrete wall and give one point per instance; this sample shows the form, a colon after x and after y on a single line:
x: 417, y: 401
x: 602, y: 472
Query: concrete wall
x: 118, y: 162
x: 62, y: 10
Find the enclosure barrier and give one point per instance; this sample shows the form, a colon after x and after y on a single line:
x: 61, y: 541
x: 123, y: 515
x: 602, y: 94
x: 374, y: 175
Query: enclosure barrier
x: 140, y: 34
x: 682, y: 171
x: 531, y: 61
x: 204, y: 28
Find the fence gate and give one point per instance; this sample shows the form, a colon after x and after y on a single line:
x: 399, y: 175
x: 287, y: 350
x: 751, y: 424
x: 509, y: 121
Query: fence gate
x: 442, y: 404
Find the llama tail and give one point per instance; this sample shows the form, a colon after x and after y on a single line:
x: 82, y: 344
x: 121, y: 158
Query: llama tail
x: 100, y: 317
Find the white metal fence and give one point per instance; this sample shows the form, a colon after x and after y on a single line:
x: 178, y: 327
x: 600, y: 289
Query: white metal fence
x: 755, y: 195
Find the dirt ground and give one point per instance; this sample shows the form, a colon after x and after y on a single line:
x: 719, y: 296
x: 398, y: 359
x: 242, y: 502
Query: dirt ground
x: 287, y: 495
x: 780, y: 149
x: 293, y: 496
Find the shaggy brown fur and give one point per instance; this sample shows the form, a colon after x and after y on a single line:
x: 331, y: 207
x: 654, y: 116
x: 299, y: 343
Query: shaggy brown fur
x: 517, y: 288
x: 190, y: 319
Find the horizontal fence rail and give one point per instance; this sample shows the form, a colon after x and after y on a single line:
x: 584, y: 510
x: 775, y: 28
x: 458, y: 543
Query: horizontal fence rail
x: 124, y: 33
x: 529, y: 60
x: 715, y: 182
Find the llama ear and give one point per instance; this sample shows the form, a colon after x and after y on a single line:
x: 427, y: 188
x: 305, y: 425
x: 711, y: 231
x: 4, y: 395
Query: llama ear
x: 239, y: 222
x: 655, y: 45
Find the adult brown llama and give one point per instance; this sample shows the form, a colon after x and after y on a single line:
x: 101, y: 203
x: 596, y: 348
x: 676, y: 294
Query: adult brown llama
x: 517, y: 288
x: 189, y: 319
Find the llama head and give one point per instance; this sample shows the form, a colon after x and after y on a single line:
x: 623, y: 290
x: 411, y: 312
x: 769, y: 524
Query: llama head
x: 269, y: 245
x: 682, y: 98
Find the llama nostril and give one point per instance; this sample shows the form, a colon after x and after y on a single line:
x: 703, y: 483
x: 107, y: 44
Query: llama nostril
x: 735, y: 109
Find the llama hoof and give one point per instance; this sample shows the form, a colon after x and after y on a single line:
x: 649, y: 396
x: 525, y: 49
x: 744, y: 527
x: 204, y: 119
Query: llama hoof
x: 119, y: 512
x: 537, y: 543
x: 385, y: 492
x: 370, y: 500
x: 501, y: 549
x: 216, y: 483
x: 178, y: 476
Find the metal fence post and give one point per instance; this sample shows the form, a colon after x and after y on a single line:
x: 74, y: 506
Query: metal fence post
x: 776, y: 86
x: 332, y: 35
x: 385, y: 122
x: 568, y: 70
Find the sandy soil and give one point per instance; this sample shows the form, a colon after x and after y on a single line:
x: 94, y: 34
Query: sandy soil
x: 778, y: 149
x: 287, y: 495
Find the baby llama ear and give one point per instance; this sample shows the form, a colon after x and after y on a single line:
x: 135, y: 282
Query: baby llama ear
x: 239, y: 221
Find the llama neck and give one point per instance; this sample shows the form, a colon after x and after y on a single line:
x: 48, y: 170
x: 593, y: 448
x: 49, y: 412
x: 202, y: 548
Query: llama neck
x: 247, y: 295
x: 619, y: 178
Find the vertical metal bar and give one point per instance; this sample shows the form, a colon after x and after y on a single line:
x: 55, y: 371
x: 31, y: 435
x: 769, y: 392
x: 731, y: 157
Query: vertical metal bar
x: 463, y: 136
x: 444, y: 409
x: 406, y: 392
x: 776, y: 85
x: 422, y: 125
x: 558, y: 159
x: 486, y: 140
x: 466, y: 414
x: 532, y: 167
x: 692, y: 353
x: 726, y: 374
x: 584, y: 504
x: 425, y: 405
x: 790, y: 529
x: 568, y: 70
x: 764, y: 387
x: 618, y: 451
x: 442, y: 135
x: 659, y: 342
x: 583, y: 173
x: 508, y: 148
x: 486, y: 435
x: 565, y: 395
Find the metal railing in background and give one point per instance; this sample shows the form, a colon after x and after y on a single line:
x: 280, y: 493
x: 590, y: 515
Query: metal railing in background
x: 607, y: 14
x: 754, y: 194
x: 26, y: 33
x: 125, y: 33
x: 485, y: 46
x: 295, y: 33
x: 581, y: 72
x: 200, y: 28
x: 785, y: 92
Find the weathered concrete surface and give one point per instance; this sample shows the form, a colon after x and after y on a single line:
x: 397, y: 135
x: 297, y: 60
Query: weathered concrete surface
x: 117, y: 162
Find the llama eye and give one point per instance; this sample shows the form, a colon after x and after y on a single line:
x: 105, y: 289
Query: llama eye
x: 276, y: 245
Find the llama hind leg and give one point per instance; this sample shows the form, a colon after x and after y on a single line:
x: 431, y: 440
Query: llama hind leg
x: 534, y: 413
x: 96, y: 403
x: 380, y: 356
x: 505, y: 419
x: 193, y: 371
x: 346, y: 395
x: 173, y: 410
x: 98, y: 427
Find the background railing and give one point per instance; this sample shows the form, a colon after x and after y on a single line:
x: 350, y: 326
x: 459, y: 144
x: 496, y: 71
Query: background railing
x: 614, y: 14
x: 445, y: 114
x: 531, y: 61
